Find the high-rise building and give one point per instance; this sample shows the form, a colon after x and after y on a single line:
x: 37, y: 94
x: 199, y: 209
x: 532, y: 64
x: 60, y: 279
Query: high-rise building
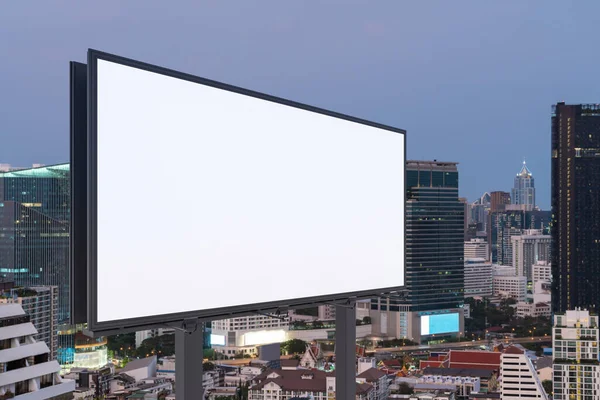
x: 477, y: 248
x: 520, y: 379
x: 505, y: 224
x: 26, y: 369
x: 529, y: 248
x: 434, y: 236
x: 576, y: 373
x: 41, y: 305
x: 465, y: 203
x: 35, y: 214
x: 434, y: 258
x: 498, y: 201
x: 576, y: 206
x: 479, y: 210
x: 523, y: 192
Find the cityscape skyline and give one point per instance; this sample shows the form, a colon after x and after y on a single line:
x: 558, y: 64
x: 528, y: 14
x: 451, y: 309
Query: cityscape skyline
x: 400, y: 74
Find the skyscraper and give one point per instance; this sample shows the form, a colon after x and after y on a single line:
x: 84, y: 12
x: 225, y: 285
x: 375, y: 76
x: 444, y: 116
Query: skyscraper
x: 523, y: 192
x: 35, y: 215
x: 434, y: 236
x: 575, y: 207
x: 506, y: 224
x: 434, y: 258
x: 498, y: 201
x: 529, y: 248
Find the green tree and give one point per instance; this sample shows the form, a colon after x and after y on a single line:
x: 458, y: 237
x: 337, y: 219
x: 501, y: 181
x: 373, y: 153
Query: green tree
x: 547, y: 384
x: 366, y: 320
x: 293, y: 346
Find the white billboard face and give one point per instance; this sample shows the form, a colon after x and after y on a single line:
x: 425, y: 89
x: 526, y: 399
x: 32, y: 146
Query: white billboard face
x: 209, y: 199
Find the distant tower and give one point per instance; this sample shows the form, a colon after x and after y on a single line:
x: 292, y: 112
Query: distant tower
x: 523, y: 192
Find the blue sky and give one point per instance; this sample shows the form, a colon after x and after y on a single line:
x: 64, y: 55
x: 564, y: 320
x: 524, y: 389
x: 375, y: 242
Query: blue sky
x: 471, y: 81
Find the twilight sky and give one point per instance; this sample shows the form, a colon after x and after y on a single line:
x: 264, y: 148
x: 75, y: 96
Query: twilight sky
x: 470, y: 81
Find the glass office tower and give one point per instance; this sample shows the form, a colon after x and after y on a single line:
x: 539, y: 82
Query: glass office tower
x: 35, y: 218
x: 434, y: 236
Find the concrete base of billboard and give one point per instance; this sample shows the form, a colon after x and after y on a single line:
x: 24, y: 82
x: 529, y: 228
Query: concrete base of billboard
x: 345, y: 352
x: 188, y: 353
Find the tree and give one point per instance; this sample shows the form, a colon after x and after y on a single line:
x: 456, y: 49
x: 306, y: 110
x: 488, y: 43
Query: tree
x: 547, y: 384
x: 367, y: 320
x: 293, y: 346
x: 405, y: 388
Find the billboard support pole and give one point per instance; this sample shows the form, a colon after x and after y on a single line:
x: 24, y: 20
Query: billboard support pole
x: 189, y: 355
x: 345, y: 351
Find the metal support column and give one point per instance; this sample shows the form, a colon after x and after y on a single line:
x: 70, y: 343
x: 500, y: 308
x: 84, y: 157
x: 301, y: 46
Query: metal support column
x: 189, y: 355
x: 345, y: 352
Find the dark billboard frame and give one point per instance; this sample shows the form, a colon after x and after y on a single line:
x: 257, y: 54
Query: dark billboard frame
x: 78, y: 174
x: 96, y: 328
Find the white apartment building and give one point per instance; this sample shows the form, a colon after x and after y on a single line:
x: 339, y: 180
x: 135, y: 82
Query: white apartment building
x: 542, y: 272
x: 576, y: 373
x: 510, y: 286
x: 233, y: 335
x: 477, y: 248
x: 525, y: 309
x: 518, y: 376
x: 503, y: 270
x: 528, y: 249
x: 478, y: 277
x: 26, y: 370
x: 41, y: 304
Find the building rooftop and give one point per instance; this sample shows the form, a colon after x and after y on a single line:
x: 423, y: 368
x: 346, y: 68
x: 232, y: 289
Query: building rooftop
x: 474, y: 359
x: 49, y: 171
x: 139, y: 363
x: 372, y: 375
x: 464, y: 372
x: 11, y: 310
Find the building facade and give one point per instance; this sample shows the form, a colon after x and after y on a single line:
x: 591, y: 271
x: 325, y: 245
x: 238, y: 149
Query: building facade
x: 434, y: 257
x: 434, y: 236
x: 478, y: 278
x: 26, y: 369
x: 479, y: 211
x: 529, y: 248
x: 519, y: 377
x: 506, y: 224
x: 499, y: 200
x: 576, y: 373
x: 576, y: 206
x: 523, y: 192
x: 510, y: 287
x: 243, y: 334
x: 542, y: 272
x: 35, y: 215
x: 41, y: 305
x: 477, y: 248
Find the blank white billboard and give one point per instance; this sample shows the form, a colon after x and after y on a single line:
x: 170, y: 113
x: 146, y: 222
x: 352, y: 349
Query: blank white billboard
x: 209, y: 198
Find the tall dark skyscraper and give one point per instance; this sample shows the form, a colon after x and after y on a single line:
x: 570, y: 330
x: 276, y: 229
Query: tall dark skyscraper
x: 575, y: 207
x: 434, y: 236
